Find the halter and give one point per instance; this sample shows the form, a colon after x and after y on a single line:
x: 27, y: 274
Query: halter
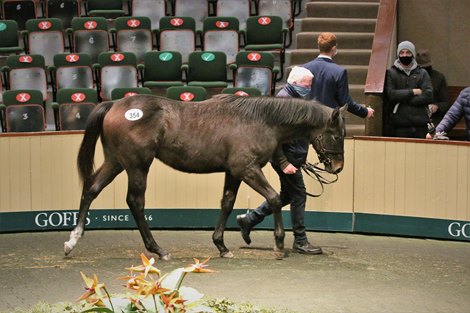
x: 323, y: 153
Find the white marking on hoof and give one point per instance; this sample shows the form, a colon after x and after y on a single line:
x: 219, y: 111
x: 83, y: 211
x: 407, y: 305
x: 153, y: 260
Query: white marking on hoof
x: 227, y: 255
x: 67, y: 248
x: 74, y: 237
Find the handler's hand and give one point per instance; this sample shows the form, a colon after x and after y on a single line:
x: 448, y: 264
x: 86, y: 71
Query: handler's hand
x: 290, y: 169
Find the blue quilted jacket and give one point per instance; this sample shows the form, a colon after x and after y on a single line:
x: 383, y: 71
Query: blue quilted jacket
x: 461, y: 107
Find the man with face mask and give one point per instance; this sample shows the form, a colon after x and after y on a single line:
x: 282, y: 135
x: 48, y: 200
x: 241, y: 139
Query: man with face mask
x: 331, y: 80
x: 287, y: 165
x: 408, y: 92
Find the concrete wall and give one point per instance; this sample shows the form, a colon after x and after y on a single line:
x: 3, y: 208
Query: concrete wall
x: 442, y: 27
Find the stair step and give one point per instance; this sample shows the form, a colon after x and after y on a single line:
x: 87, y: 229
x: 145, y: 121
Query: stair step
x: 325, y: 24
x: 344, y: 56
x: 357, y: 92
x: 342, y: 9
x: 308, y: 40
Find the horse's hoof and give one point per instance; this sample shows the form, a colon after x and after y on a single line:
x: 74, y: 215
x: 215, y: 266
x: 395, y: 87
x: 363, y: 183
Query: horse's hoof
x: 227, y: 255
x: 279, y: 254
x: 67, y: 248
x: 166, y: 257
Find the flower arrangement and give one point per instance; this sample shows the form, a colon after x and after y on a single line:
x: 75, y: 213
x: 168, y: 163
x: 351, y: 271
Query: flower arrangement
x: 148, y: 291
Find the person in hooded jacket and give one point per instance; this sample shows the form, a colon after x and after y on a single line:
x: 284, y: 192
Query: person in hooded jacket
x: 287, y: 166
x: 461, y: 107
x: 408, y: 92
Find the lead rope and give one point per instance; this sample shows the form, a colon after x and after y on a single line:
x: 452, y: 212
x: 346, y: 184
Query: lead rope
x: 317, y: 172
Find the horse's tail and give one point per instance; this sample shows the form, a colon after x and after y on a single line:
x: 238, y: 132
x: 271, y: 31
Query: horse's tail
x: 93, y: 130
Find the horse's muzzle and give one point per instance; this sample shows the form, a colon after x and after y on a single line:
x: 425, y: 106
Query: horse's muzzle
x: 335, y: 166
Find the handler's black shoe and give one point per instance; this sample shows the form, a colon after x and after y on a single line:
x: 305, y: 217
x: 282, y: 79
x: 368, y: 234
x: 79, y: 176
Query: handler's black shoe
x: 306, y: 248
x: 245, y: 227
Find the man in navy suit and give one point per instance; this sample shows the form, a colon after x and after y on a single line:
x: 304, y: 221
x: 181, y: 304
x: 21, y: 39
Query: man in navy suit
x: 331, y: 80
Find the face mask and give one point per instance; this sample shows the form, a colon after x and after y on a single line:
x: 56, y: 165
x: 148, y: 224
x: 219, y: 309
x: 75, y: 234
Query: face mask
x: 406, y: 60
x: 302, y: 91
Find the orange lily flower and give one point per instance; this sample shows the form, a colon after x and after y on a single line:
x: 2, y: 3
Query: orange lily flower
x: 198, y: 267
x: 93, y: 292
x: 133, y: 281
x: 137, y: 302
x: 146, y: 267
x: 172, y: 303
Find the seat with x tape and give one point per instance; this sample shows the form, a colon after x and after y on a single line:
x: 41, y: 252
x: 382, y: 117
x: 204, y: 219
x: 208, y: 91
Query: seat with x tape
x: 74, y: 105
x: 267, y: 33
x: 133, y: 34
x: 117, y: 70
x: 187, y: 93
x: 119, y: 93
x: 282, y: 8
x: 255, y: 69
x: 90, y: 35
x: 45, y: 37
x: 24, y: 111
x: 27, y: 72
x: 73, y: 70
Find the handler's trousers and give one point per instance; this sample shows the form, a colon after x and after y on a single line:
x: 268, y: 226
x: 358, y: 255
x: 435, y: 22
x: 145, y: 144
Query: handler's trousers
x: 293, y: 193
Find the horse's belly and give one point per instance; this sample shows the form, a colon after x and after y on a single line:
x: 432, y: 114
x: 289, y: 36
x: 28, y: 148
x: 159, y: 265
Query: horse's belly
x: 192, y: 164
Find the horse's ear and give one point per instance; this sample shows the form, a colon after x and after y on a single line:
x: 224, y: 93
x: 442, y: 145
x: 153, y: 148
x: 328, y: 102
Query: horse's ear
x: 337, y: 113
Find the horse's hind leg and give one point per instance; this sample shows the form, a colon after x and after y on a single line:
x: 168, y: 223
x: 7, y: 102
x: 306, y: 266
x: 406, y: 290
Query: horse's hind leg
x: 101, y: 178
x: 228, y: 199
x: 137, y: 185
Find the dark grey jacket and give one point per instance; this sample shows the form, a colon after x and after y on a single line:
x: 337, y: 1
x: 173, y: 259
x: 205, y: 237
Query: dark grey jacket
x: 403, y: 108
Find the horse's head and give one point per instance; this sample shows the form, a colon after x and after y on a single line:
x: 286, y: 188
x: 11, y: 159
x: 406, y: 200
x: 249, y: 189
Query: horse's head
x: 330, y: 144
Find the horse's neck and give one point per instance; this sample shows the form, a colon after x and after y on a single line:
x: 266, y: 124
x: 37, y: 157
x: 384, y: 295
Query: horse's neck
x: 291, y: 132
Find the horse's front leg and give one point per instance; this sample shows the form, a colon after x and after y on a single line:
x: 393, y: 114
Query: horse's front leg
x: 231, y: 186
x: 137, y: 184
x: 103, y: 176
x: 253, y: 176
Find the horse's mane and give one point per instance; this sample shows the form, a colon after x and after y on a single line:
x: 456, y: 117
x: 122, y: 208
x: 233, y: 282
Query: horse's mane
x: 275, y: 110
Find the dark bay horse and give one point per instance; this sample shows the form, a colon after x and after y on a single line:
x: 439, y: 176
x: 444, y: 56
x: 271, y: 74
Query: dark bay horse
x: 230, y: 134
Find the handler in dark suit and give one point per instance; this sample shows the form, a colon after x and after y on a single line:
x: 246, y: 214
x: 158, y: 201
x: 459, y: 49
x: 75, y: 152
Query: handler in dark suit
x: 331, y: 85
x: 287, y: 165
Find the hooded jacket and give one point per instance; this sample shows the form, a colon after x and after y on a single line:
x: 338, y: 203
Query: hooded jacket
x: 461, y: 107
